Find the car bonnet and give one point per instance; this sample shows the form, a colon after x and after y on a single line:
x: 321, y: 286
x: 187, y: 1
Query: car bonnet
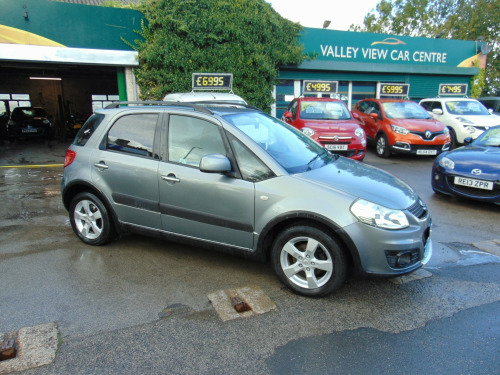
x: 468, y: 158
x: 363, y: 181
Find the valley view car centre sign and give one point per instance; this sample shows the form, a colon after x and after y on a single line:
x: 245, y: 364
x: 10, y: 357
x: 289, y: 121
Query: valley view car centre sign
x: 349, y: 51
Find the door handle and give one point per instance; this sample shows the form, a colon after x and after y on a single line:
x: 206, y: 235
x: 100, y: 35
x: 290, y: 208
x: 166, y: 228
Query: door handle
x: 101, y: 165
x: 170, y: 178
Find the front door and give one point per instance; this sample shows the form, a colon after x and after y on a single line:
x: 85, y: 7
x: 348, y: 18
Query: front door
x: 209, y: 206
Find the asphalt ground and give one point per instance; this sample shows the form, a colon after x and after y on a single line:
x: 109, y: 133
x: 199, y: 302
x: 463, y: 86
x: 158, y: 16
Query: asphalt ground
x: 141, y: 305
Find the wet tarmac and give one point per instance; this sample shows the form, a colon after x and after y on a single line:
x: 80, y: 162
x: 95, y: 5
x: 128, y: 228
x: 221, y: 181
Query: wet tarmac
x: 140, y: 305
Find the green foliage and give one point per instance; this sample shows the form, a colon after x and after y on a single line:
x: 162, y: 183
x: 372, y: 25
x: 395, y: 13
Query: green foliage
x: 453, y: 19
x: 244, y: 37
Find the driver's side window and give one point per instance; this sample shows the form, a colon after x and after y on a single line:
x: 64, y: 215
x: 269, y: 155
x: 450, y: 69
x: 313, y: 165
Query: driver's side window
x: 191, y: 138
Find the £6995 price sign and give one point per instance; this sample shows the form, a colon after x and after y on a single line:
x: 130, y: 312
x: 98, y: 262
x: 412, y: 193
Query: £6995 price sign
x: 212, y: 81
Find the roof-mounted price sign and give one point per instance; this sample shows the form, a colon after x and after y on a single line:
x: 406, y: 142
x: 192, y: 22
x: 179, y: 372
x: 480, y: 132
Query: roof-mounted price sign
x: 320, y: 87
x: 212, y: 81
x: 453, y: 89
x: 394, y: 89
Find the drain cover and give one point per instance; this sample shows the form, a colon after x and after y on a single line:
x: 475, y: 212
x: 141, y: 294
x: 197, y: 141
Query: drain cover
x: 240, y: 302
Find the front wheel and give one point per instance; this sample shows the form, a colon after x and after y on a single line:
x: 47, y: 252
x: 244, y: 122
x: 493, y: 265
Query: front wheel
x: 453, y: 139
x: 382, y: 145
x: 308, y: 261
x: 90, y: 219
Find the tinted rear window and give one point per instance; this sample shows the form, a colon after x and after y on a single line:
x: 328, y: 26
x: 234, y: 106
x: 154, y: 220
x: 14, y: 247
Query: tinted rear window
x: 88, y: 129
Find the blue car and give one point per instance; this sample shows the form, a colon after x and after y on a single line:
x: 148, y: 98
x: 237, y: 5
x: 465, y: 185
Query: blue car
x: 471, y: 171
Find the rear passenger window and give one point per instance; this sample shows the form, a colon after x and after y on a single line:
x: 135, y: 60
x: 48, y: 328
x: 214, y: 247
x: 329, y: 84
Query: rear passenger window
x: 133, y: 134
x: 88, y: 129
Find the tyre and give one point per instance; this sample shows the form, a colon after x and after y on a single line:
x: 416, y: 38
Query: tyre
x: 382, y: 146
x: 308, y: 261
x: 90, y: 219
x: 453, y: 139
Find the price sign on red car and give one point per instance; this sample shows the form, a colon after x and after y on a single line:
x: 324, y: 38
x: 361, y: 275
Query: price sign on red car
x: 453, y: 89
x: 394, y: 89
x: 320, y: 87
x: 212, y: 81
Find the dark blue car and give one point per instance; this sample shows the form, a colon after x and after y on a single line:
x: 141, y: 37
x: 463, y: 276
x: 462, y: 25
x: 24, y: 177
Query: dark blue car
x: 471, y: 171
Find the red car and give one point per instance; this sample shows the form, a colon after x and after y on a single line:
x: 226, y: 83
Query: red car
x: 401, y: 126
x: 328, y: 122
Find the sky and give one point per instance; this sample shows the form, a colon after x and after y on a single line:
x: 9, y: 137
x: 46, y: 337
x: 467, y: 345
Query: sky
x: 312, y: 13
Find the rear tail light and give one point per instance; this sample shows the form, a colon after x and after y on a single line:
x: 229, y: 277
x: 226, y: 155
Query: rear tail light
x: 69, y: 157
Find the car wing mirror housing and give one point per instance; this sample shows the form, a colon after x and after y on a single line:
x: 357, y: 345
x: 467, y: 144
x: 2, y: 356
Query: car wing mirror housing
x: 374, y: 115
x: 355, y: 115
x: 437, y: 111
x: 287, y: 115
x: 468, y: 140
x: 215, y: 163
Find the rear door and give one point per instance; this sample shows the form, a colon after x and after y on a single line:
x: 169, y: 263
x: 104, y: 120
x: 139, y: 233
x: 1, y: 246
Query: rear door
x: 210, y: 206
x: 126, y: 168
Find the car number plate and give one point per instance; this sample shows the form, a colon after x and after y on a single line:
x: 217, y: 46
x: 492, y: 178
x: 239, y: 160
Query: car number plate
x: 31, y: 130
x: 478, y: 184
x: 336, y: 147
x: 426, y: 152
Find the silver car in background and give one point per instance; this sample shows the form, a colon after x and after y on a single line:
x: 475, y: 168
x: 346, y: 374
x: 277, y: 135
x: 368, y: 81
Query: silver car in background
x: 232, y: 178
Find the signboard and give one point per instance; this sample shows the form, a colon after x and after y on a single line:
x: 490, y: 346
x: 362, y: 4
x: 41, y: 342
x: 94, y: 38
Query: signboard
x: 394, y: 89
x: 453, y: 89
x: 320, y: 87
x: 212, y: 81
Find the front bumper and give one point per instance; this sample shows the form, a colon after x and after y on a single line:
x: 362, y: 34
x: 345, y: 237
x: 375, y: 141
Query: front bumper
x: 377, y: 248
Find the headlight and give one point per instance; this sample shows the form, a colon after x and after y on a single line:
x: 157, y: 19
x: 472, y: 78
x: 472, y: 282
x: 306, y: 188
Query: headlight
x: 360, y: 133
x: 446, y: 163
x: 464, y: 120
x: 399, y: 129
x: 308, y: 132
x: 379, y: 216
x: 446, y: 130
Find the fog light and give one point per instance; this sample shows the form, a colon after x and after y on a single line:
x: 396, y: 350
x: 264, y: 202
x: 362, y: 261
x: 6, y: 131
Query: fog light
x: 402, y: 259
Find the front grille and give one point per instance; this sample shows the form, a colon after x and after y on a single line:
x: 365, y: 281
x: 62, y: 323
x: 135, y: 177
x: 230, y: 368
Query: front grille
x: 418, y: 209
x: 422, y: 135
x: 473, y: 192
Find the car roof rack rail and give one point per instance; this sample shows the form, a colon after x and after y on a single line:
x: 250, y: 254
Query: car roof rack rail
x: 195, y: 107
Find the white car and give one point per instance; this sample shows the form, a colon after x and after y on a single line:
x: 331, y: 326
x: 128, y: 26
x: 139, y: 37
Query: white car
x: 202, y: 96
x: 464, y: 117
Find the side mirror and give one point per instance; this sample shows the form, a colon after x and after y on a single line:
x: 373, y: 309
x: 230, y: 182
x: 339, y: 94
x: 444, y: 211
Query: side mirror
x: 215, y: 163
x: 490, y: 110
x: 374, y: 115
x: 287, y: 115
x: 437, y: 111
x: 355, y: 115
x: 468, y: 140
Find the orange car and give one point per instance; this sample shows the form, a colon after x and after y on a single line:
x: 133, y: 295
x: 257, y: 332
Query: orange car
x: 401, y: 126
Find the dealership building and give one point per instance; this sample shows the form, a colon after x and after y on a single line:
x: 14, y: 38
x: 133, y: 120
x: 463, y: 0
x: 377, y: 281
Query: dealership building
x: 70, y: 57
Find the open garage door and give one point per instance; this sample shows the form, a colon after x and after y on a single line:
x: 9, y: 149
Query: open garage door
x: 62, y: 90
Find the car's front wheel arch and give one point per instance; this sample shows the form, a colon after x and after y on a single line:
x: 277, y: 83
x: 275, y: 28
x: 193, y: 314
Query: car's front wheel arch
x: 269, y: 233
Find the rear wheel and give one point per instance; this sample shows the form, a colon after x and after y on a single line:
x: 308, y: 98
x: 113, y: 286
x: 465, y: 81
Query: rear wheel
x: 382, y: 146
x: 90, y: 219
x: 308, y: 261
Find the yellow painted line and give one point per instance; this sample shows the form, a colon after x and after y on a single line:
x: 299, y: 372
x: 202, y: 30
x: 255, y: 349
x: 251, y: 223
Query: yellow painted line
x: 32, y: 166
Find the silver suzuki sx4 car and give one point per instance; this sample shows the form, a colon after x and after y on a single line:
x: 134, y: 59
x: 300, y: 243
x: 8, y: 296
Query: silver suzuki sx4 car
x: 232, y: 178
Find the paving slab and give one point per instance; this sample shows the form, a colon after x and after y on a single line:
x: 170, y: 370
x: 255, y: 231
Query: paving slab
x: 252, y: 295
x: 36, y: 346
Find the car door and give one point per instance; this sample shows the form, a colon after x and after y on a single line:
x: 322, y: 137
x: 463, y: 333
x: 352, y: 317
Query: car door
x: 125, y: 168
x: 209, y: 206
x: 368, y: 123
